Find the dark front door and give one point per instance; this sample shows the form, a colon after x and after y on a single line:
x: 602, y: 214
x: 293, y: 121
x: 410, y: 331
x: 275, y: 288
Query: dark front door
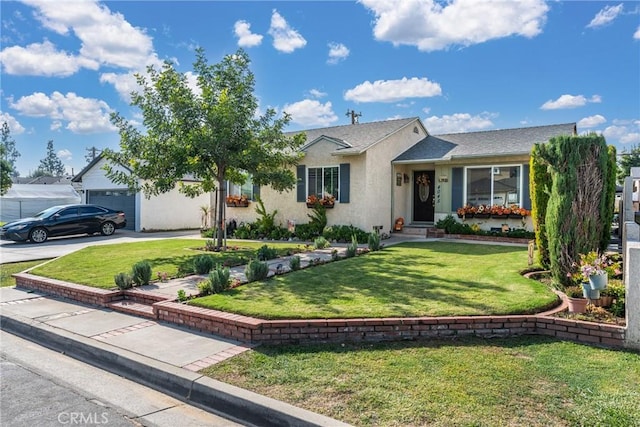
x: 423, y: 201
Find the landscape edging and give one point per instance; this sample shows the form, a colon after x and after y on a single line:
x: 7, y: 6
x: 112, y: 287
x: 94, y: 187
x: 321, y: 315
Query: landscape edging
x: 258, y: 331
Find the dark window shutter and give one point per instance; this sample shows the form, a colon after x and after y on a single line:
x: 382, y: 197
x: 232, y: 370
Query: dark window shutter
x: 256, y: 192
x: 526, y: 197
x: 301, y: 186
x: 345, y: 182
x: 457, y: 187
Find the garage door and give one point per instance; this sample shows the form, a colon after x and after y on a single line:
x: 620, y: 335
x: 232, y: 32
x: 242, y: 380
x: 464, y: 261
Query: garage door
x: 121, y: 200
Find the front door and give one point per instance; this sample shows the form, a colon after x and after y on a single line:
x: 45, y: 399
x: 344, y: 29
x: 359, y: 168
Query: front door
x: 423, y: 201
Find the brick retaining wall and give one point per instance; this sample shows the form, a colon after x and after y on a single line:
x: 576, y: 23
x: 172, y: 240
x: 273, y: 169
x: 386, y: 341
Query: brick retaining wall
x: 252, y: 330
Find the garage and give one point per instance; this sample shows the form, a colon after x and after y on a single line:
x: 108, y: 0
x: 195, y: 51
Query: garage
x: 118, y: 199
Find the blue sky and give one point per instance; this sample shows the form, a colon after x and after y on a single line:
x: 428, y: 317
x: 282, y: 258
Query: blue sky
x: 460, y: 65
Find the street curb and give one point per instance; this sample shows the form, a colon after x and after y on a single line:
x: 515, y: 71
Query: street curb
x: 224, y: 399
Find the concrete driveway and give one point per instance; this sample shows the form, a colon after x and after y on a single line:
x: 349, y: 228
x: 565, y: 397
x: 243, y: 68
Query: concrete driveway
x: 55, y: 247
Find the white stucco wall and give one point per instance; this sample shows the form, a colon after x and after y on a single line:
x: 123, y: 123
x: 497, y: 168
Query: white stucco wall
x: 95, y: 179
x: 171, y: 211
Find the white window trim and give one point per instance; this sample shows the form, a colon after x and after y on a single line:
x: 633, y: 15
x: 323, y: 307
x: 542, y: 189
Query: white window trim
x: 491, y: 167
x: 230, y: 184
x: 308, y: 168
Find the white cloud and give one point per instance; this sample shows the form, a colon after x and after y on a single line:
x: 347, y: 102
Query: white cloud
x: 636, y: 35
x: 393, y: 90
x: 285, y: 38
x: 570, y: 101
x: 106, y: 37
x: 311, y: 113
x: 65, y: 154
x: 315, y: 93
x: 625, y: 134
x: 42, y: 59
x: 123, y: 83
x: 459, y: 122
x: 337, y: 52
x: 14, y: 126
x: 433, y: 25
x: 81, y: 115
x: 591, y: 121
x: 606, y: 16
x: 246, y: 38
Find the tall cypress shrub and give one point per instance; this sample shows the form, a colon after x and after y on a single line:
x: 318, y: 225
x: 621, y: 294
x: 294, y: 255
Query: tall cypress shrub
x: 609, y: 197
x: 575, y: 219
x: 539, y: 188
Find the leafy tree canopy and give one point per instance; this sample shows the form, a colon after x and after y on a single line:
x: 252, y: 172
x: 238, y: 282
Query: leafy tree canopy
x: 5, y: 172
x: 210, y: 133
x: 52, y: 163
x: 628, y: 159
x: 9, y: 152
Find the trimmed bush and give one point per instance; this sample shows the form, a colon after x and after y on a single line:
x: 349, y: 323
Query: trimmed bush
x: 123, y: 280
x: 266, y: 253
x: 321, y: 243
x: 204, y: 288
x: 141, y: 273
x: 294, y: 263
x: 220, y: 279
x: 374, y: 242
x: 202, y: 264
x: 540, y: 188
x: 352, y: 248
x: 256, y: 270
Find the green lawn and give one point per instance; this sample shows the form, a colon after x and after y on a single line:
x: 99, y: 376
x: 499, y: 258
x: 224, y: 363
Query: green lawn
x: 96, y: 265
x: 6, y: 270
x: 526, y: 381
x: 411, y: 279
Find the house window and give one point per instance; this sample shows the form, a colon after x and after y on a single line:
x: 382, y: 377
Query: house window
x: 323, y: 182
x: 494, y: 185
x: 245, y: 189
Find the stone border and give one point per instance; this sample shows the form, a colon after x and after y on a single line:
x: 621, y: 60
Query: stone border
x: 258, y: 331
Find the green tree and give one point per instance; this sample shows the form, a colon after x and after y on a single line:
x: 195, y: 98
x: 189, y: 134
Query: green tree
x: 10, y: 153
x: 540, y: 188
x: 52, y: 163
x: 628, y: 159
x: 5, y: 172
x: 212, y: 133
x: 580, y: 206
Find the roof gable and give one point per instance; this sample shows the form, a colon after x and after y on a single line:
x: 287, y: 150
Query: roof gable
x: 356, y: 138
x: 503, y: 142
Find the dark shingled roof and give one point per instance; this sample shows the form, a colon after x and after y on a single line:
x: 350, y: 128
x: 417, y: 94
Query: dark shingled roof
x: 483, y: 144
x: 355, y: 138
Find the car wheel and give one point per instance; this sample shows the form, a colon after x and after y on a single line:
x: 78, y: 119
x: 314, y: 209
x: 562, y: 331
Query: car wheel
x: 107, y: 229
x: 38, y: 235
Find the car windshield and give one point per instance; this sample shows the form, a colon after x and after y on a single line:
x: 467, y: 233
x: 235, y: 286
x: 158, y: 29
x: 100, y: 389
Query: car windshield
x: 47, y: 212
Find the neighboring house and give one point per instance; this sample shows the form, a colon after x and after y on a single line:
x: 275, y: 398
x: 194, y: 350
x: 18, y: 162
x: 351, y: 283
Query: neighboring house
x: 25, y: 200
x: 168, y: 211
x: 376, y: 172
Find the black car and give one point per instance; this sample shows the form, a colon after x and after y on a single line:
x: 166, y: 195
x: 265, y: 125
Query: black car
x: 64, y: 220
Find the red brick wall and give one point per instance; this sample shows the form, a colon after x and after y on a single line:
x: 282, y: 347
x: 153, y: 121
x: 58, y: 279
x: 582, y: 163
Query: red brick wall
x: 252, y: 330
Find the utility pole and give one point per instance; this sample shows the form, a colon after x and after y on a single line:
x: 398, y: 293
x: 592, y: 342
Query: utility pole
x: 92, y: 154
x: 354, y: 116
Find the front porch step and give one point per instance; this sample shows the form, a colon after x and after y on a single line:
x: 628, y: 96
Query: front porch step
x: 414, y: 230
x: 132, y: 307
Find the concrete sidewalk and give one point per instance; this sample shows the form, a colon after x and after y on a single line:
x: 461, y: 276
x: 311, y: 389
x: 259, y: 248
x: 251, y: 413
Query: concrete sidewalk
x: 155, y: 354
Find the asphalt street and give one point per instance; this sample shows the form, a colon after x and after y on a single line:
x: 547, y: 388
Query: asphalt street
x: 44, y: 388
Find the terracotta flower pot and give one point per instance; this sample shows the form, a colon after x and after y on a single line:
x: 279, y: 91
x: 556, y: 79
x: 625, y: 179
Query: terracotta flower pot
x: 577, y: 305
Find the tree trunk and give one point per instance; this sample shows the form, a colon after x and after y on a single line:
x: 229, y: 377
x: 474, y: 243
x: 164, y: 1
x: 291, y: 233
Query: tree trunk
x: 220, y: 212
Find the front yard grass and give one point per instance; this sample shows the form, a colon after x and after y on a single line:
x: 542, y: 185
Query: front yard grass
x: 6, y: 270
x: 410, y: 279
x: 529, y: 381
x: 96, y: 265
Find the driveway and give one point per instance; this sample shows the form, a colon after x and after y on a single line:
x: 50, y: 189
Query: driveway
x: 55, y: 247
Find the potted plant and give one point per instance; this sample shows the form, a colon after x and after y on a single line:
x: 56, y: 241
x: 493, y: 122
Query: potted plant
x: 577, y: 304
x: 595, y: 269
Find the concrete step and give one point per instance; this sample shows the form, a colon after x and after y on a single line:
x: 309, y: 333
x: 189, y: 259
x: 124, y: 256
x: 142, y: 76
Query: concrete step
x: 132, y: 307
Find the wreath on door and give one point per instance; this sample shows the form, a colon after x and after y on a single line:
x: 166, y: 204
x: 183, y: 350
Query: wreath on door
x: 423, y: 187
